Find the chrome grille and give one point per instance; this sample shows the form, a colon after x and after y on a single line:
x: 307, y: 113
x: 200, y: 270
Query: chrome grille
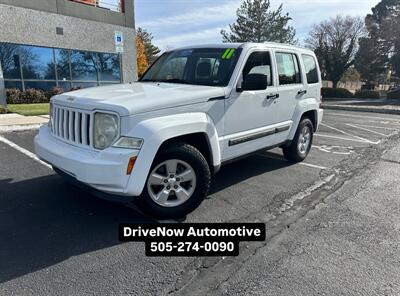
x: 71, y: 125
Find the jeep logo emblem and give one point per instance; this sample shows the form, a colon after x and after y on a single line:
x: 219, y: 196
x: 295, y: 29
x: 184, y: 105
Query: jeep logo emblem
x: 70, y: 99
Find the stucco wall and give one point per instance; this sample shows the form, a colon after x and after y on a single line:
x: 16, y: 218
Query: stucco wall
x: 32, y: 27
x: 69, y: 8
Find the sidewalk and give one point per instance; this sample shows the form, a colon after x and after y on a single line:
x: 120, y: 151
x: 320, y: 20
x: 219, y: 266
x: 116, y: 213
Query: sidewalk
x: 363, y: 105
x: 12, y: 122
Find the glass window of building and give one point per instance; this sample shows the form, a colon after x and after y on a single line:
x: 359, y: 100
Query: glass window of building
x: 43, y: 68
x: 109, y: 67
x: 37, y: 63
x: 43, y: 85
x: 10, y: 61
x: 84, y: 66
x: 62, y: 62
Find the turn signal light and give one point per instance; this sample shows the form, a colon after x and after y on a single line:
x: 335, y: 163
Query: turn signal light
x: 131, y: 164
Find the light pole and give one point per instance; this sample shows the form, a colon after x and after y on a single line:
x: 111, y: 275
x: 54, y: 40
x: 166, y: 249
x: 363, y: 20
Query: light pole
x: 3, y: 100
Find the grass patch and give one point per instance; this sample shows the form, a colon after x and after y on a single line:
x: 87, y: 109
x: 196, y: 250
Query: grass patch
x: 29, y: 109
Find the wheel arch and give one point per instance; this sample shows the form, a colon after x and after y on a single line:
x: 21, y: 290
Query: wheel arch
x: 306, y: 108
x: 196, y: 129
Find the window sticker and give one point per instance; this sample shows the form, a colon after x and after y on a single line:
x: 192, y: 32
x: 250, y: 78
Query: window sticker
x: 228, y: 53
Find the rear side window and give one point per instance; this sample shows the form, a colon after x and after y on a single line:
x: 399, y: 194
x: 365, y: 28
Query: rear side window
x: 311, y: 69
x: 288, y: 68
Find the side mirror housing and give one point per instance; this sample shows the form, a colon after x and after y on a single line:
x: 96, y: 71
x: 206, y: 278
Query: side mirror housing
x: 255, y: 82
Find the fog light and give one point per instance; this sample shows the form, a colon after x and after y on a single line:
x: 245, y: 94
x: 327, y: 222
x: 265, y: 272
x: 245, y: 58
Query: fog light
x: 131, y: 164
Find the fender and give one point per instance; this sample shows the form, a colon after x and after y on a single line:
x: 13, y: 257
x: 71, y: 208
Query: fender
x: 303, y: 106
x: 156, y: 131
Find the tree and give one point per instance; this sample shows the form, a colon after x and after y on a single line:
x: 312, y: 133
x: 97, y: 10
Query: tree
x: 142, y: 63
x: 151, y: 50
x: 371, y: 60
x: 380, y: 51
x: 335, y: 43
x: 351, y: 74
x: 256, y: 22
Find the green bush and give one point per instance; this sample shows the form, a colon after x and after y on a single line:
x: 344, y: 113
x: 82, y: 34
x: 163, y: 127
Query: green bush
x: 394, y: 94
x: 53, y: 92
x: 328, y: 92
x: 13, y: 96
x: 367, y: 94
x: 30, y: 96
x: 3, y: 110
x: 33, y: 96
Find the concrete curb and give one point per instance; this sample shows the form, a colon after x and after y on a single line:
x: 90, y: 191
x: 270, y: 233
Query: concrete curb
x: 19, y: 128
x: 362, y: 109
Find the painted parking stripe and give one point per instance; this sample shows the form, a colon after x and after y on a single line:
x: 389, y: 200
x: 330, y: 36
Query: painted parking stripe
x: 300, y: 163
x: 380, y: 127
x: 347, y: 139
x: 346, y: 133
x: 361, y: 116
x: 23, y: 151
x: 368, y: 130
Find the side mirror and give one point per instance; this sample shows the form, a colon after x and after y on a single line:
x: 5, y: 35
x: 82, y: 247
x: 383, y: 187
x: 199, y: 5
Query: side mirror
x: 255, y: 82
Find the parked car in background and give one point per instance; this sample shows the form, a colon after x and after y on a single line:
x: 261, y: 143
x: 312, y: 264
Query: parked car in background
x: 161, y: 139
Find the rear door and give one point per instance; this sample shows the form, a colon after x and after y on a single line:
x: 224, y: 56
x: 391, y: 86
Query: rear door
x: 291, y: 88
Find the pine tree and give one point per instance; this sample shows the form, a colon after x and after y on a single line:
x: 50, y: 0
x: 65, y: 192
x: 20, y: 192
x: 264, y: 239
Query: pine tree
x: 151, y: 50
x: 256, y: 22
x: 380, y: 51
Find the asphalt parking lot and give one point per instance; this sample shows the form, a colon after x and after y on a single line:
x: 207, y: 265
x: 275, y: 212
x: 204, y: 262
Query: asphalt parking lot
x: 58, y: 240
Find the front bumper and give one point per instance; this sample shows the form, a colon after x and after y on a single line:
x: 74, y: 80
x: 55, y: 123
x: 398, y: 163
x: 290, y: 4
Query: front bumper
x: 103, y: 170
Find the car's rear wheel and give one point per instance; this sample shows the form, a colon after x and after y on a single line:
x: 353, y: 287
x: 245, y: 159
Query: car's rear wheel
x: 300, y: 147
x: 178, y: 182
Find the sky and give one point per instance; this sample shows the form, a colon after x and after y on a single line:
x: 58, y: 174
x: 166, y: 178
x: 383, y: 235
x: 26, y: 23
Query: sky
x: 175, y: 23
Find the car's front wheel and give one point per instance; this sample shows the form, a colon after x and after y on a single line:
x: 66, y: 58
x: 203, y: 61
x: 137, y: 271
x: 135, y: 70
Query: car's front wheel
x: 178, y: 182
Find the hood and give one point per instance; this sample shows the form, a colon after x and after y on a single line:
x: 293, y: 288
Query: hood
x: 138, y: 97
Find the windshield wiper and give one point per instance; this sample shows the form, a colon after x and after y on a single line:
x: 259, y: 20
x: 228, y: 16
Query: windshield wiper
x: 148, y: 80
x: 174, y: 80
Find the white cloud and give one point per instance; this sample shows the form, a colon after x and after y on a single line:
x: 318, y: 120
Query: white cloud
x: 203, y: 36
x: 204, y: 24
x: 201, y: 16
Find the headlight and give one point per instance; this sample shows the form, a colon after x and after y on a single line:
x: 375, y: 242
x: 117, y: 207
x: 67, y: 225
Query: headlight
x: 130, y: 143
x: 105, y: 130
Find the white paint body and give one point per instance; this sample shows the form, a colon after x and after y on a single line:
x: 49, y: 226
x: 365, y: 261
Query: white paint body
x: 157, y: 112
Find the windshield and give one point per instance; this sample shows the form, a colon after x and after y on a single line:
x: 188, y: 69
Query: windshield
x: 201, y: 66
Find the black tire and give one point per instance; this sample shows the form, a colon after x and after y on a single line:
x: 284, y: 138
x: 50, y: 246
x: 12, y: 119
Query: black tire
x: 196, y: 160
x: 292, y: 152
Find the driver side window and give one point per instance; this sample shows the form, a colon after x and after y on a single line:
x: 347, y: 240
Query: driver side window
x: 259, y: 63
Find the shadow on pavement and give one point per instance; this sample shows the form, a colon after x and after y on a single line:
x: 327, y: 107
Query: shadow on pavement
x: 45, y: 220
x: 244, y: 169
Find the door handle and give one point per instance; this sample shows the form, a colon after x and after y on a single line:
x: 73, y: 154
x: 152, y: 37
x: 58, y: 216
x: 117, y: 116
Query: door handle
x: 302, y: 92
x: 273, y: 97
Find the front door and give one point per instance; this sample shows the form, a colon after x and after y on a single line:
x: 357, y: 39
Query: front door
x: 250, y: 115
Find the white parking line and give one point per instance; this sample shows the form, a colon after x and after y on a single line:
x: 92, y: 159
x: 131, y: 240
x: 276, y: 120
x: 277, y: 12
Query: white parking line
x: 361, y: 116
x: 346, y: 133
x: 24, y: 151
x: 300, y: 163
x: 368, y: 130
x: 381, y: 127
x: 347, y: 139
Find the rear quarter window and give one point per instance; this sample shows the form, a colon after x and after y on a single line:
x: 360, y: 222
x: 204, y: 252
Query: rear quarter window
x: 310, y: 66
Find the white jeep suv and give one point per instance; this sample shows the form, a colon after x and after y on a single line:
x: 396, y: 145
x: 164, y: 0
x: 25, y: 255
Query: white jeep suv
x: 158, y: 141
